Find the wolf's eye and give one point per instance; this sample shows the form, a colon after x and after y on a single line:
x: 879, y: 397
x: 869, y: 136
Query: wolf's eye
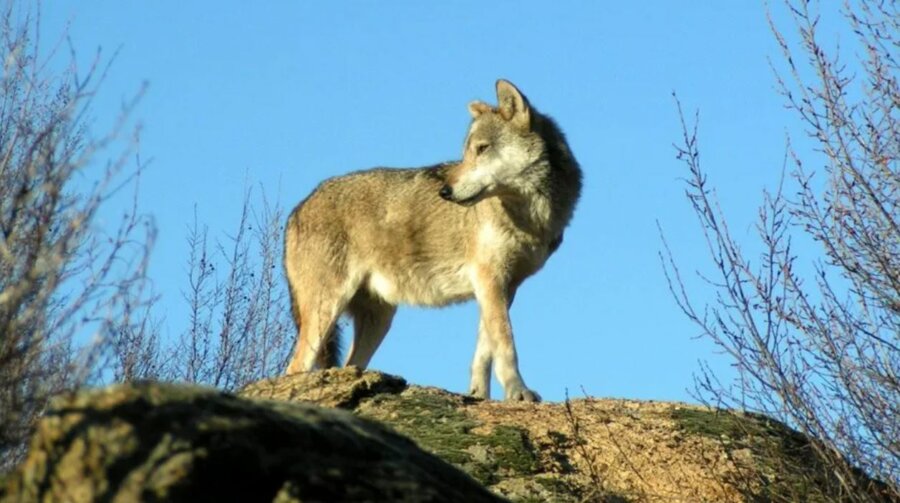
x: 481, y: 147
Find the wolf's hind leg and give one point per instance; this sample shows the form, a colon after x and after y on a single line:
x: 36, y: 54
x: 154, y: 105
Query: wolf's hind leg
x: 371, y: 321
x: 317, y: 341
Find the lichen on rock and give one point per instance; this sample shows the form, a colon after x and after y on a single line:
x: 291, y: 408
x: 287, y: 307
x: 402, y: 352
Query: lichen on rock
x: 350, y: 435
x: 161, y: 442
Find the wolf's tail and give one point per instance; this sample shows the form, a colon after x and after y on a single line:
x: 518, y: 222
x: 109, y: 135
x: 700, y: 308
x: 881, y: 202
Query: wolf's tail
x: 331, y: 353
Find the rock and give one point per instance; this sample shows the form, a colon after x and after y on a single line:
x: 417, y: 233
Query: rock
x: 276, y: 442
x: 162, y: 442
x: 589, y: 449
x: 335, y: 387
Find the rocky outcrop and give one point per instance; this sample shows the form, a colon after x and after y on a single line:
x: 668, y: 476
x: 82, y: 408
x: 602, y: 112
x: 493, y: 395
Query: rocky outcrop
x: 157, y: 442
x: 584, y: 450
x: 286, y: 439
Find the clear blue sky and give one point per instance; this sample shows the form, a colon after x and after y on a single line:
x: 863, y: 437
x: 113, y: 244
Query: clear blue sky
x: 285, y: 94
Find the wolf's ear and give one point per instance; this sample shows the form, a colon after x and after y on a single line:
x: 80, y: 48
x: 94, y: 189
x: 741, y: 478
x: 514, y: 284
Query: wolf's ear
x: 512, y: 104
x: 476, y: 108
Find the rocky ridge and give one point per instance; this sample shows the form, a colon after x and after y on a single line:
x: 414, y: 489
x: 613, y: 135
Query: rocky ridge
x: 349, y: 435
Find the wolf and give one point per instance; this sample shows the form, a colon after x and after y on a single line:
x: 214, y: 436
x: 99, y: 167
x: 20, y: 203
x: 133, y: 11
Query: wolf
x: 363, y: 243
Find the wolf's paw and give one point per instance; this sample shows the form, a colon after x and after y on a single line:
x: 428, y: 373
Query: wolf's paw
x: 479, y: 392
x: 521, y: 394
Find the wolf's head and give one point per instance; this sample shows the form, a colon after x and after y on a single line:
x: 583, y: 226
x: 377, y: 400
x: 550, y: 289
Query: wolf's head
x: 503, y: 152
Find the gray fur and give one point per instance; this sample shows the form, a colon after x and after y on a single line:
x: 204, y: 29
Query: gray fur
x: 365, y: 242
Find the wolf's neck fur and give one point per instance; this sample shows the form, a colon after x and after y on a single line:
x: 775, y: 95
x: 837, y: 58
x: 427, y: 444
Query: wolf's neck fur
x: 547, y: 210
x: 531, y: 212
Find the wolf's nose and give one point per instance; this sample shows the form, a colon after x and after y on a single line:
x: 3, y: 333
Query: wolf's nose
x: 446, y: 192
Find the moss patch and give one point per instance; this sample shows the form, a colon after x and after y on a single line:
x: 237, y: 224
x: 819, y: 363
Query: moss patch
x: 786, y: 466
x: 751, y: 431
x: 435, y: 422
x: 430, y: 419
x: 512, y: 450
x: 713, y: 424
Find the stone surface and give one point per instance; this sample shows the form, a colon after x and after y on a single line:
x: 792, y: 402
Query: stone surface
x: 335, y: 387
x: 286, y: 439
x: 157, y: 442
x: 587, y: 449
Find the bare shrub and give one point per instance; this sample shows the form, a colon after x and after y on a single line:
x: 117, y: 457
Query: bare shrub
x: 818, y: 347
x: 74, y: 307
x: 65, y: 284
x: 240, y: 328
x: 598, y: 489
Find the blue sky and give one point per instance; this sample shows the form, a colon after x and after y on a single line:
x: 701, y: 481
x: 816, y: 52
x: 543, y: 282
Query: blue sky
x: 285, y: 94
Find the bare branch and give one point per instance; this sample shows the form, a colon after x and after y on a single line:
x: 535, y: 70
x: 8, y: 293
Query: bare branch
x: 817, y: 348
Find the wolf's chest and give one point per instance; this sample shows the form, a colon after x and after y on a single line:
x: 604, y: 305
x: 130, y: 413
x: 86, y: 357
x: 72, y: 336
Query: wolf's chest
x: 426, y: 283
x: 504, y: 247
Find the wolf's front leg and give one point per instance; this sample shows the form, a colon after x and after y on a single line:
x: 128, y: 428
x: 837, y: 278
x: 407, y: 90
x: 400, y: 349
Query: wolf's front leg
x: 480, y: 383
x: 507, y: 369
x: 493, y: 300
